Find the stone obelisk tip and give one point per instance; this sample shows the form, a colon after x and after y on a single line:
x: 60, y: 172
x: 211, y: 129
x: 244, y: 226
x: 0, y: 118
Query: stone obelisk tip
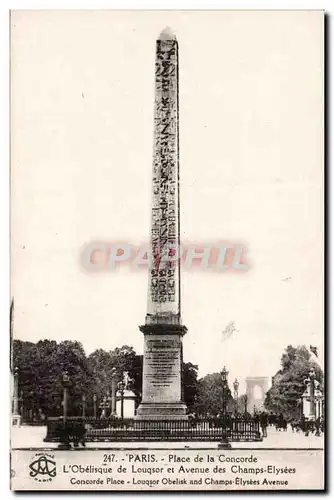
x: 167, y: 34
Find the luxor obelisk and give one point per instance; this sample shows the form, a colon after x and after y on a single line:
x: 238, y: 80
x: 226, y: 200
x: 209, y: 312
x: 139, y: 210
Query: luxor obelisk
x: 163, y: 330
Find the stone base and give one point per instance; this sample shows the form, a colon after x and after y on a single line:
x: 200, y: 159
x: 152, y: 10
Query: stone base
x: 16, y: 420
x: 162, y: 411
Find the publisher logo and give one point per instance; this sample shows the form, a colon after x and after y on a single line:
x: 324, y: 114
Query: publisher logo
x: 43, y: 467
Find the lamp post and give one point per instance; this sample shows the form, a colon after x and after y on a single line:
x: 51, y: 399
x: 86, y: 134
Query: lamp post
x: 16, y: 417
x: 21, y: 404
x: 66, y: 384
x: 224, y: 375
x: 121, y: 387
x: 16, y: 392
x: 236, y: 393
x: 246, y: 401
x: 317, y: 398
x: 309, y: 403
x: 300, y: 404
x: 83, y: 406
x: 113, y: 392
x: 312, y: 394
x: 94, y: 405
x: 65, y: 438
x: 224, y: 443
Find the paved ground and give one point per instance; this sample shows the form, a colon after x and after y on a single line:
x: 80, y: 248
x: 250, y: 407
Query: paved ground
x: 32, y: 437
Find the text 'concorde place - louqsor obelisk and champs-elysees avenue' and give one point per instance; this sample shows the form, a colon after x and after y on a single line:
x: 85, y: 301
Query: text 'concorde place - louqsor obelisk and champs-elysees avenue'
x: 163, y: 329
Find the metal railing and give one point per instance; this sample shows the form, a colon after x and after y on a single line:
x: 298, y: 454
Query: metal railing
x: 97, y: 430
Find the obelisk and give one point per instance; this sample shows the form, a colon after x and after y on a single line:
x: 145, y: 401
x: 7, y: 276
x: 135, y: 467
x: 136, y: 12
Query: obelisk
x: 163, y: 329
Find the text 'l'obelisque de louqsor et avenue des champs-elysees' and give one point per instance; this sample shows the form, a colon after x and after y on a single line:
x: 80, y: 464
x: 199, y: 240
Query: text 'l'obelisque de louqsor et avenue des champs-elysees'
x: 163, y: 329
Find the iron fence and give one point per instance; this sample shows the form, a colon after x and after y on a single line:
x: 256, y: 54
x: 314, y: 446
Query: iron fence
x: 109, y: 430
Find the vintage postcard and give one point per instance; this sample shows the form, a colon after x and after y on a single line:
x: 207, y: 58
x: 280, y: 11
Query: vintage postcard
x: 167, y: 185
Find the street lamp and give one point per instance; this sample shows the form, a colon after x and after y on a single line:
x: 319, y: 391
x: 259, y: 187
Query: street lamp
x: 121, y: 387
x: 65, y: 438
x: 21, y: 404
x: 300, y: 404
x: 83, y: 406
x: 16, y: 392
x: 224, y: 375
x: 66, y: 384
x: 113, y: 412
x: 312, y: 393
x: 16, y: 417
x: 224, y: 443
x: 246, y: 401
x: 317, y: 401
x: 94, y: 405
x: 236, y: 393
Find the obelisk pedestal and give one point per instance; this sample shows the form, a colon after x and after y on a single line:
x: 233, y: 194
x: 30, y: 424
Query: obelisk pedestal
x: 163, y: 329
x: 162, y: 373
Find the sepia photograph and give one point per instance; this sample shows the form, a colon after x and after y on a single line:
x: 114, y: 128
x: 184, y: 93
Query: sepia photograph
x: 167, y: 250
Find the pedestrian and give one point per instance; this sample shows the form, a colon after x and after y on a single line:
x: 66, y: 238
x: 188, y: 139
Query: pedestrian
x: 317, y: 425
x: 264, y: 423
x: 78, y: 433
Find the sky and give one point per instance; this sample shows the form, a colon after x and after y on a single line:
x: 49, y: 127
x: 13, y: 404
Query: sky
x: 251, y: 172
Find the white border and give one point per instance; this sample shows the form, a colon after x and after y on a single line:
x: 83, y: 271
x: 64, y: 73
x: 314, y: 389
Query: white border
x: 7, y: 5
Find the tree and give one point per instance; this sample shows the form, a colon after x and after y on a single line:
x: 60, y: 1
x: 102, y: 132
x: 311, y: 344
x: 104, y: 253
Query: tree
x: 101, y: 364
x: 70, y: 357
x: 121, y: 359
x: 289, y: 382
x: 210, y: 396
x: 42, y: 365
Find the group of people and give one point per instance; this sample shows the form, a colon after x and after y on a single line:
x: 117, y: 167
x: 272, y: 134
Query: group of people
x: 316, y: 427
x: 281, y: 423
x: 72, y: 432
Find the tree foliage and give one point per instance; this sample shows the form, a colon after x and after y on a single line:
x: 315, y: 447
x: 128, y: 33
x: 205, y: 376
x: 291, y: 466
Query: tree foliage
x: 41, y: 367
x: 210, y: 396
x: 289, y: 383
